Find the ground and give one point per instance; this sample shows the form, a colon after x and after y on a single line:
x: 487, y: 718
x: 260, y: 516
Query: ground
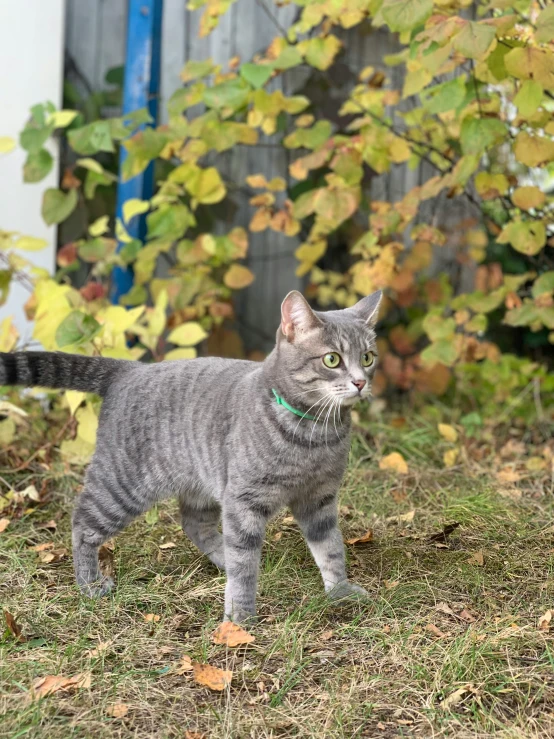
x: 449, y: 645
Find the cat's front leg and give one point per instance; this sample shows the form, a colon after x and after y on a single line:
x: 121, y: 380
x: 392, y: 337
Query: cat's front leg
x: 244, y: 524
x: 318, y: 519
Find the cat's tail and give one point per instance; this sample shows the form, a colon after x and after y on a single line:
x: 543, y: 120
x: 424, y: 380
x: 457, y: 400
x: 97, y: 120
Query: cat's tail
x: 60, y: 371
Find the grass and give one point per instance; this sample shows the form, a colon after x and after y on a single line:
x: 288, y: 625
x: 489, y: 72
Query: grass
x: 446, y: 648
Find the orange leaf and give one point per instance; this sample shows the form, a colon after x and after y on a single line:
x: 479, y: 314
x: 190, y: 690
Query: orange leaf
x: 238, y: 277
x: 44, y: 686
x: 13, y: 627
x: 151, y: 617
x: 212, y: 677
x: 394, y: 462
x: 435, y: 630
x: 363, y: 539
x: 476, y: 558
x: 232, y: 635
x: 42, y: 547
x: 117, y: 710
x: 185, y: 665
x: 4, y: 523
x: 544, y: 621
x: 168, y: 545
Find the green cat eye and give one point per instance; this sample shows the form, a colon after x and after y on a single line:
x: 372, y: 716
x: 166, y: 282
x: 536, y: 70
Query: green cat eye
x: 332, y: 360
x: 367, y: 359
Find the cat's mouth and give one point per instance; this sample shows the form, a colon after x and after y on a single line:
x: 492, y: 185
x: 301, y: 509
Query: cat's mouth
x: 354, y: 397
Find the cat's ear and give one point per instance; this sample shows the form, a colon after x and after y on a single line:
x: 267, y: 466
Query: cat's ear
x: 296, y: 315
x: 368, y: 308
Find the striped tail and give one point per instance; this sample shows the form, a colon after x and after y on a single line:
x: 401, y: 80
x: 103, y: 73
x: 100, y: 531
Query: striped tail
x: 59, y: 371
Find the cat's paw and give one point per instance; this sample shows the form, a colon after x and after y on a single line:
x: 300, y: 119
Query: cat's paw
x: 244, y: 618
x: 347, y: 589
x: 99, y: 588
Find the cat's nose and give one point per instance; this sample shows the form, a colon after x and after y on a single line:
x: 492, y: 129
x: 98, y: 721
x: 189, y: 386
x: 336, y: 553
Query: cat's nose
x: 360, y: 384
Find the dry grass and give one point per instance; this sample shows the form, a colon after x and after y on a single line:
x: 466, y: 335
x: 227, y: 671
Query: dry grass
x: 358, y: 670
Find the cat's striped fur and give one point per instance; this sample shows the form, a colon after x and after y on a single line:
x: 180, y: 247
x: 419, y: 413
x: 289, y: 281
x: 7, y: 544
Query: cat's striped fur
x: 210, y: 432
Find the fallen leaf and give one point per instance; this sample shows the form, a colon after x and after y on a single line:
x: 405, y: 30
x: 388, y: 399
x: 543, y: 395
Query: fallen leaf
x: 450, y: 457
x: 466, y: 616
x: 363, y: 539
x: 403, y: 518
x: 435, y: 630
x: 231, y: 635
x: 512, y: 448
x: 4, y: 523
x: 535, y: 464
x: 31, y: 492
x: 476, y: 558
x: 52, y: 555
x: 42, y: 547
x: 102, y: 646
x: 51, y: 525
x: 212, y: 677
x: 44, y: 686
x: 288, y: 520
x: 457, y: 696
x: 443, y: 535
x: 13, y: 627
x: 445, y: 608
x: 168, y: 545
x: 389, y: 584
x: 381, y: 726
x: 544, y: 621
x: 448, y: 432
x: 394, y: 462
x: 117, y: 710
x: 185, y: 665
x: 151, y: 617
x: 278, y: 536
x: 326, y: 635
x: 194, y: 735
x: 508, y: 475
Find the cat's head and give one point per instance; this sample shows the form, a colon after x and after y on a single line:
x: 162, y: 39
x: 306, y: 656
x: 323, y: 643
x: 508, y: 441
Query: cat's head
x: 328, y: 355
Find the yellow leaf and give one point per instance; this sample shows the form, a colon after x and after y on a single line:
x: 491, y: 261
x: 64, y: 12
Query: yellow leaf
x: 8, y: 335
x: 121, y: 233
x: 62, y: 118
x: 490, y: 186
x: 134, y: 207
x: 212, y: 677
x: 528, y: 197
x: 448, y: 432
x: 119, y: 319
x: 531, y: 63
x: 87, y: 424
x: 450, y: 457
x: 533, y: 151
x: 7, y: 144
x: 99, y: 227
x: 29, y: 243
x: 90, y: 164
x: 187, y: 334
x: 206, y: 185
x: 394, y: 462
x: 238, y: 277
x: 74, y: 399
x: 399, y: 150
x: 231, y: 635
x: 180, y: 354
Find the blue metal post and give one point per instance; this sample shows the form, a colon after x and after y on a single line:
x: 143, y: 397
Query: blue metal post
x: 140, y: 90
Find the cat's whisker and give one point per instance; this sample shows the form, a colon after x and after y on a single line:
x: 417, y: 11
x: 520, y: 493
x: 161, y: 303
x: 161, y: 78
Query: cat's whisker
x: 319, y: 400
x: 318, y: 415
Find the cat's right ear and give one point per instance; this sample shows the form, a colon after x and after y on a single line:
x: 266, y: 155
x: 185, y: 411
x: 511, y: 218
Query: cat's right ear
x: 296, y: 315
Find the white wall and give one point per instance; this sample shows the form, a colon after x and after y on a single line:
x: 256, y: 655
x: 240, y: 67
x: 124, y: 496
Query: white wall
x: 31, y: 71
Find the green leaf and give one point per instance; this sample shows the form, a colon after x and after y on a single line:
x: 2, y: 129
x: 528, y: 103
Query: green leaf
x: 129, y: 252
x: 227, y: 97
x: 529, y: 97
x: 474, y: 40
x: 403, y: 15
x: 37, y: 166
x: 443, y: 351
x: 206, y: 185
x: 545, y: 25
x: 142, y: 149
x: 194, y: 70
x: 436, y: 327
x: 187, y: 334
x: 91, y: 139
x: 57, y: 205
x: 94, y: 250
x: 169, y: 222
x: 76, y: 328
x: 256, y: 74
x: 137, y: 295
x: 309, y: 138
x: 32, y: 139
x: 93, y: 180
x: 321, y: 52
x: 543, y: 284
x: 289, y: 57
x: 444, y: 97
x: 479, y: 134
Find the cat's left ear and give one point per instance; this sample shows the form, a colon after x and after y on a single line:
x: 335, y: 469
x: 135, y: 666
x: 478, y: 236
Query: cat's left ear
x: 368, y: 308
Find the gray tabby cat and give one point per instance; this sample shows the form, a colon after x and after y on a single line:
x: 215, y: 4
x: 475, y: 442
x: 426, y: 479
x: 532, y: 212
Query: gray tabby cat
x: 232, y: 439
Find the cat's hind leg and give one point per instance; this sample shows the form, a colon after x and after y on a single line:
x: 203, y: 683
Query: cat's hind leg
x: 103, y: 509
x: 201, y: 526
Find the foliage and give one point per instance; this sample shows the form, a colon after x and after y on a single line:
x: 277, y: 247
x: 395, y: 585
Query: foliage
x: 475, y: 107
